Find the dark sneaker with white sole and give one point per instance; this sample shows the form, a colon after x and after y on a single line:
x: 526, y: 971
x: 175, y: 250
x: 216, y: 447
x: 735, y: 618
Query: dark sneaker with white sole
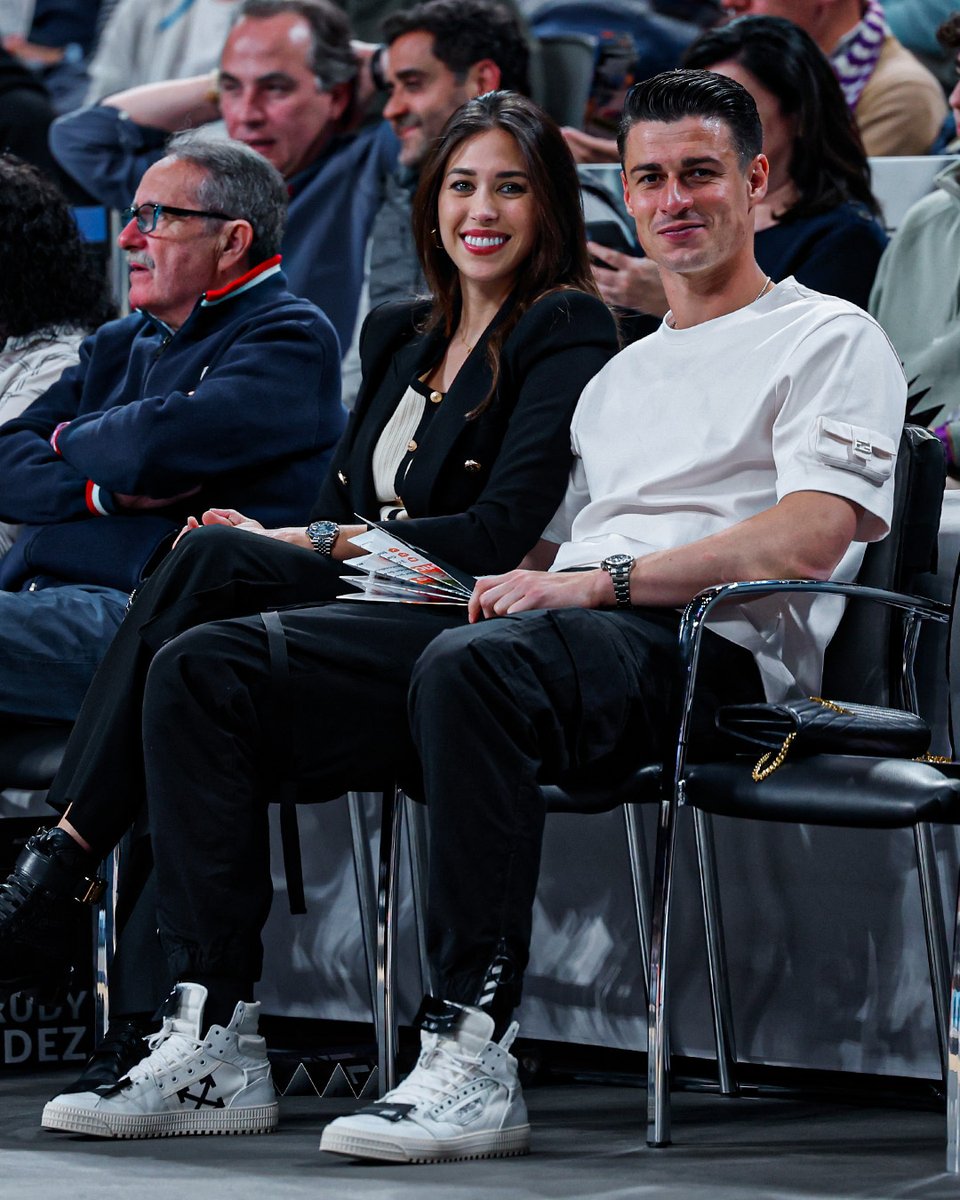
x: 462, y: 1100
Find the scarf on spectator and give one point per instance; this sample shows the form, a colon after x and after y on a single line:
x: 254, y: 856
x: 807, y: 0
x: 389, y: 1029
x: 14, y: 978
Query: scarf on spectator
x: 856, y: 56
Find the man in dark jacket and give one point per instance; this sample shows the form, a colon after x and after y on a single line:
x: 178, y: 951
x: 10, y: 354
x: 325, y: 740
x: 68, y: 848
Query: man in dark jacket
x: 221, y: 390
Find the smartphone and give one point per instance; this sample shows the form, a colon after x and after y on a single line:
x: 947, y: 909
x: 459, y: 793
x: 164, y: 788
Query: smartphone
x: 612, y: 235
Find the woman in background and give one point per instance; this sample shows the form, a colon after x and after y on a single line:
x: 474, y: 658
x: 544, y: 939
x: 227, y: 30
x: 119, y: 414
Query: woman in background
x: 819, y: 221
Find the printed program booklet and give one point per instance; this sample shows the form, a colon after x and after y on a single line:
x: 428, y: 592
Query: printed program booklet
x: 394, y: 572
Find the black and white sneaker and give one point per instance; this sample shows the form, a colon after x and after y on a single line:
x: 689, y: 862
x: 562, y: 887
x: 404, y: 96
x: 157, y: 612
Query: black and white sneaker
x: 461, y: 1100
x: 219, y: 1083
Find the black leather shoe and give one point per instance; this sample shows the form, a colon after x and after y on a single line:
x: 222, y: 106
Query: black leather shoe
x: 39, y: 915
x: 123, y: 1046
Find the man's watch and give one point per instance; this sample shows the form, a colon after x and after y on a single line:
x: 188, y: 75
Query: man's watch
x: 322, y: 535
x: 618, y: 567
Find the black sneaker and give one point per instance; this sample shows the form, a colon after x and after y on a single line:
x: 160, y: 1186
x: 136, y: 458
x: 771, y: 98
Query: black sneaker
x: 38, y: 914
x: 122, y: 1048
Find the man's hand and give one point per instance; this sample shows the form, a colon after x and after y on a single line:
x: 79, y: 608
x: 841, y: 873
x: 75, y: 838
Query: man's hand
x: 628, y: 282
x: 139, y: 503
x: 586, y: 148
x: 521, y: 591
x: 31, y: 52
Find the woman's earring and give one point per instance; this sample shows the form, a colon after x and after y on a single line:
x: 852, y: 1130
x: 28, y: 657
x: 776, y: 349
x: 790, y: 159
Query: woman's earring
x: 436, y: 239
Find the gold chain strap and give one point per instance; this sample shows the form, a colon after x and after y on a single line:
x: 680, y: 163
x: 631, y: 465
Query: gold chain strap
x: 765, y: 767
x: 768, y: 763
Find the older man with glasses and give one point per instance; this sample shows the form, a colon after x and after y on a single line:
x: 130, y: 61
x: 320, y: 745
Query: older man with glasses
x: 222, y: 389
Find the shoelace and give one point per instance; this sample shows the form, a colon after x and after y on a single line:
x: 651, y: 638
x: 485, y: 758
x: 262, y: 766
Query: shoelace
x: 437, y: 1072
x: 168, y: 1047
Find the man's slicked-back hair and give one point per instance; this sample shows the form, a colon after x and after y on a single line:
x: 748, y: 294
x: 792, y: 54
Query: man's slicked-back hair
x: 332, y: 59
x: 239, y: 182
x: 465, y: 32
x: 674, y: 95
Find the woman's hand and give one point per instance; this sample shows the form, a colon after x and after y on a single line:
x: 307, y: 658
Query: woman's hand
x: 628, y: 282
x: 295, y: 535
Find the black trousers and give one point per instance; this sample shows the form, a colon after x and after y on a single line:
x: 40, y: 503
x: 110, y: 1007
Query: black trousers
x: 473, y: 718
x: 215, y: 572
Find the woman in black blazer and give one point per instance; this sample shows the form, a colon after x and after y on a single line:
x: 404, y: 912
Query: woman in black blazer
x: 483, y: 378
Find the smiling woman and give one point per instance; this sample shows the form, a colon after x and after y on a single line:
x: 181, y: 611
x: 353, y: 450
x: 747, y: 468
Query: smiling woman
x: 459, y: 443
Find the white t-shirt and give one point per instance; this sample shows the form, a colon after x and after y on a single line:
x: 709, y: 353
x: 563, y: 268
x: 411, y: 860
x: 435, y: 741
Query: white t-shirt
x: 690, y: 431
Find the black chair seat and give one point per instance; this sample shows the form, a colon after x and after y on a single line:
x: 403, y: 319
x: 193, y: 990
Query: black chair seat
x: 830, y: 789
x: 642, y: 787
x: 30, y: 754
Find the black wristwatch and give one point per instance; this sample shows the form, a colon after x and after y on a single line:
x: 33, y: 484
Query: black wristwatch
x: 618, y: 567
x: 322, y: 535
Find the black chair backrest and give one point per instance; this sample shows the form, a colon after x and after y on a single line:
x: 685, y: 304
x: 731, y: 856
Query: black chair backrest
x: 863, y: 660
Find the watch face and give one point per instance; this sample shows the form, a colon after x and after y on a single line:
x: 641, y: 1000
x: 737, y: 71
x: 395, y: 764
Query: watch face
x: 324, y: 528
x: 616, y: 560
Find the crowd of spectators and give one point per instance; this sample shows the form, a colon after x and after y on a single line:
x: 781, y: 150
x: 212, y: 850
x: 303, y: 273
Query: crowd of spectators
x: 290, y: 252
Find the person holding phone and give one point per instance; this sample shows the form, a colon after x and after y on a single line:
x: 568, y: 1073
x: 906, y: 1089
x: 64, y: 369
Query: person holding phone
x: 819, y: 221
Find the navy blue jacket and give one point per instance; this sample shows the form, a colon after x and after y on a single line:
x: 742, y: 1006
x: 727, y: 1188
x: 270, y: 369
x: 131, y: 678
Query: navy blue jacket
x: 242, y: 401
x: 332, y: 202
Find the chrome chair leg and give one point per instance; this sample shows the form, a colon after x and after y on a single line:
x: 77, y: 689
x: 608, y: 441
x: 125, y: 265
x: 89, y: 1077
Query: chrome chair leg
x: 953, y: 1058
x: 658, y: 1083
x: 417, y: 842
x: 365, y: 883
x: 640, y: 882
x: 391, y: 827
x: 934, y: 928
x: 716, y: 955
x: 106, y: 945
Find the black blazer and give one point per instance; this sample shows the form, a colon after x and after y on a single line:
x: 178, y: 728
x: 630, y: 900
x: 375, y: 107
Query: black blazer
x: 478, y: 492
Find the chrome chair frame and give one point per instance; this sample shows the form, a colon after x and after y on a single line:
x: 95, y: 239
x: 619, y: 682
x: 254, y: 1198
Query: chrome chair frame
x: 693, y: 622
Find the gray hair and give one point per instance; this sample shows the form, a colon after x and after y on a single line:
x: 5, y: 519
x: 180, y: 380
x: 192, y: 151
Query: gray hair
x: 332, y: 58
x: 239, y: 182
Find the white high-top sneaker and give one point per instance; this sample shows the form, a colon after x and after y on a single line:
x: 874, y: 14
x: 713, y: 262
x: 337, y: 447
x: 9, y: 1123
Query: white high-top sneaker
x: 461, y: 1100
x: 219, y: 1083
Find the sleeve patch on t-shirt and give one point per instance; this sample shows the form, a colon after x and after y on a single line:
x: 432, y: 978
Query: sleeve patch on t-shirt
x: 855, y: 448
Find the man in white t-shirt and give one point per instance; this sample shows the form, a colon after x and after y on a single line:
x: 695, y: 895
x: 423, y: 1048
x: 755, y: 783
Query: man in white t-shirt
x: 752, y: 437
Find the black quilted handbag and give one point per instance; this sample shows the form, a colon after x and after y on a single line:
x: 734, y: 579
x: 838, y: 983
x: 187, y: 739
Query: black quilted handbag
x: 818, y: 726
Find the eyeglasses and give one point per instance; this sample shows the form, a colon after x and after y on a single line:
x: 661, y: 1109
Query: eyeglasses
x: 147, y: 215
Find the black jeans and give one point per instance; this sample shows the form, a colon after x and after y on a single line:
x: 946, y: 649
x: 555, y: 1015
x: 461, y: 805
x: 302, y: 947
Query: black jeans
x: 473, y: 718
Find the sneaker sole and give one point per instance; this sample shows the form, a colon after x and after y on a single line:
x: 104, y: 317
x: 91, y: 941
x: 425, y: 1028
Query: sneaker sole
x: 262, y: 1119
x: 505, y: 1144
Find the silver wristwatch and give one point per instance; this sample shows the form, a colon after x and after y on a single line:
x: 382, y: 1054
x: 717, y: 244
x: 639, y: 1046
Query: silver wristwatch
x: 322, y: 535
x: 618, y: 567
